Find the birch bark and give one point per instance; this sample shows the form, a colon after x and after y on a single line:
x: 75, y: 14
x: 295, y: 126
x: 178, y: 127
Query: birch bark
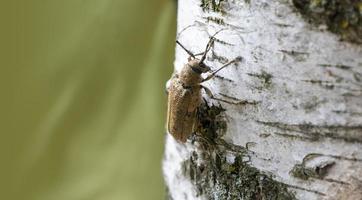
x: 295, y: 128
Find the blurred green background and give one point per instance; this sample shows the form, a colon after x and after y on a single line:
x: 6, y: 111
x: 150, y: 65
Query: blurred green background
x: 82, y: 98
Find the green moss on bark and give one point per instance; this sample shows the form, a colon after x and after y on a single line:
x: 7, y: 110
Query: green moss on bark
x: 343, y: 17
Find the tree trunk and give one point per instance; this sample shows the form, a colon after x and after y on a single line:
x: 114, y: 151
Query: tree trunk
x: 288, y: 120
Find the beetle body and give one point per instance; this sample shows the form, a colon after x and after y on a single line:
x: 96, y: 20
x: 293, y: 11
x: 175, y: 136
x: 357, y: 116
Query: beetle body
x: 184, y: 94
x: 183, y: 100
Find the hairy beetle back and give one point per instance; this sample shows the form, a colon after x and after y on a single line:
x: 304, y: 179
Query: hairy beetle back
x: 182, y: 105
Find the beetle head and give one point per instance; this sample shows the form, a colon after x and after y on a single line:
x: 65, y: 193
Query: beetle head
x: 198, y: 66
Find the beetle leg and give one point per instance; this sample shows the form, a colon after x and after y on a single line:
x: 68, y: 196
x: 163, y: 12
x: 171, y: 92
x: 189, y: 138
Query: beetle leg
x: 199, y: 54
x: 238, y: 59
x: 240, y: 102
x: 207, y: 91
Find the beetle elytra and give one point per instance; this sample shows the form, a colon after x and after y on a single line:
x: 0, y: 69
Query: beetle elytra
x: 184, y: 93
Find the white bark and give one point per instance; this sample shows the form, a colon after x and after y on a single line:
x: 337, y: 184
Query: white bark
x: 308, y: 85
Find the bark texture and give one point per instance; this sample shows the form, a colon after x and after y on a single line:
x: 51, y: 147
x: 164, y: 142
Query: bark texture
x: 288, y: 122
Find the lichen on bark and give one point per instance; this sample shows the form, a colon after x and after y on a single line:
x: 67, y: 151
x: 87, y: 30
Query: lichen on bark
x: 343, y: 17
x: 213, y: 5
x: 220, y: 170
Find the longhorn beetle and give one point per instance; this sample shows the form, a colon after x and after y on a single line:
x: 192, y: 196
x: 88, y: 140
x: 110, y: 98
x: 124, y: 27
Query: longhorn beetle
x: 184, y: 93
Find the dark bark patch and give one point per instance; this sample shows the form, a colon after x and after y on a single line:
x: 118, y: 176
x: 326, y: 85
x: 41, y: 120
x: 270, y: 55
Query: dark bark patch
x: 314, y: 132
x: 318, y: 170
x: 216, y: 20
x: 303, y: 172
x: 265, y: 78
x: 213, y: 5
x: 343, y: 17
x: 211, y: 121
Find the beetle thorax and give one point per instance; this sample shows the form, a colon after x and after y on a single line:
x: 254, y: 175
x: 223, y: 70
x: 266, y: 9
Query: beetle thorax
x: 190, y: 77
x: 191, y: 72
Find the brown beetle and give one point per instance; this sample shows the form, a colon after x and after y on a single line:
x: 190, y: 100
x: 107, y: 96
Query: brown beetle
x: 184, y: 94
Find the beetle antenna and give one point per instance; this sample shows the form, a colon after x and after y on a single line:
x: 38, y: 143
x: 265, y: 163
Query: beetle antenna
x: 209, y: 44
x: 187, y: 51
x: 208, y: 47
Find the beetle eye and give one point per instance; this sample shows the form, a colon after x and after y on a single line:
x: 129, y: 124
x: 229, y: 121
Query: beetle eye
x: 204, y: 67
